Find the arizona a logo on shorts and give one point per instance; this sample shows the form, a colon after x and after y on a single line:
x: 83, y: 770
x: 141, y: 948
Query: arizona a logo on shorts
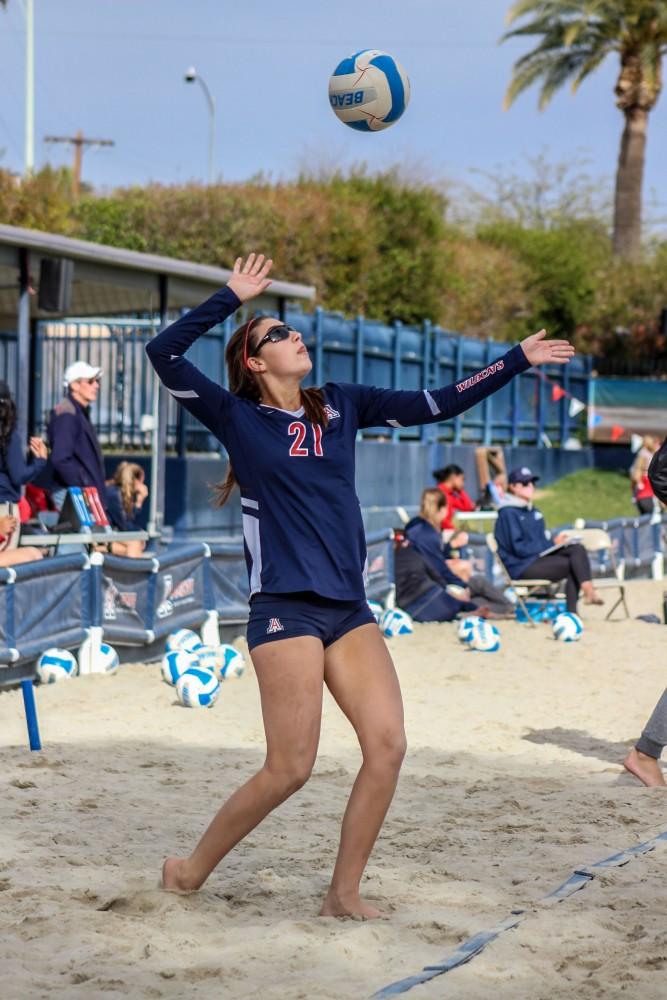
x: 274, y: 626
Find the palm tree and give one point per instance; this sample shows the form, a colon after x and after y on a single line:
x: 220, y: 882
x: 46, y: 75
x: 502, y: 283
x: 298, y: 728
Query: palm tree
x: 576, y: 37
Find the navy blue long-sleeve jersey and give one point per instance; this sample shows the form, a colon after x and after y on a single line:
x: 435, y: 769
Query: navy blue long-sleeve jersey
x: 15, y: 471
x: 302, y: 522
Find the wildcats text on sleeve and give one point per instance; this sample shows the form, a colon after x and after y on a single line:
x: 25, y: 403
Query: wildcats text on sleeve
x: 497, y: 366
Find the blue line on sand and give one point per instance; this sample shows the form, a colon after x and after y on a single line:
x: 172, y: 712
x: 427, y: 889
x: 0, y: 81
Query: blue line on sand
x: 476, y: 944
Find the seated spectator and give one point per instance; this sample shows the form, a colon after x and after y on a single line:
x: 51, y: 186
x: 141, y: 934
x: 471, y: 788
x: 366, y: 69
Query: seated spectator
x: 642, y: 491
x: 10, y: 526
x: 424, y: 533
x: 451, y: 481
x: 523, y: 540
x: 15, y: 472
x: 125, y: 495
x: 422, y: 592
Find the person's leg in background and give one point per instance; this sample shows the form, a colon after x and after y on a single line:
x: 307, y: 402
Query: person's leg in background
x: 642, y: 761
x: 491, y: 596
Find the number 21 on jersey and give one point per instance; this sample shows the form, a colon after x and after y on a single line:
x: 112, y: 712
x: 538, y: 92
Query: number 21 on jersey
x: 299, y: 446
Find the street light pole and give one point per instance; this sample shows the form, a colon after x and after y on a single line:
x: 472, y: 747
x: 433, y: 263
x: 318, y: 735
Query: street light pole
x: 29, y: 87
x: 191, y: 75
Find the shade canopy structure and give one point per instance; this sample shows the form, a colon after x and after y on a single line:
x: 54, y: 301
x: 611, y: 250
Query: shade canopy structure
x: 106, y: 281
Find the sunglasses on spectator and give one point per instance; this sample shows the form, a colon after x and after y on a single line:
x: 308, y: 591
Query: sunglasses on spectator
x: 92, y: 381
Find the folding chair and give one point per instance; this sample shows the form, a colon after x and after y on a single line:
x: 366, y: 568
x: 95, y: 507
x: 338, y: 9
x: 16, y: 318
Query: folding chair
x: 522, y: 588
x: 598, y: 540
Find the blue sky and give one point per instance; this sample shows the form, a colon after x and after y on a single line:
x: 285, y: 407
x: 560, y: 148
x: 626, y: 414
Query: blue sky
x: 114, y: 68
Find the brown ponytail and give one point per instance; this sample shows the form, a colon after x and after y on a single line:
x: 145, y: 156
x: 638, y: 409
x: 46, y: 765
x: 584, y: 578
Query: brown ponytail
x: 243, y: 383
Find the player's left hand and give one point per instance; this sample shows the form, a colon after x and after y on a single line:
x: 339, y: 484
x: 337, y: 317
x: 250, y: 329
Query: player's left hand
x: 540, y: 351
x: 250, y: 278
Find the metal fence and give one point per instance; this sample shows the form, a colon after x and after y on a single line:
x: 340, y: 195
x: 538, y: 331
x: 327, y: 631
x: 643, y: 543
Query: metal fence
x: 358, y: 350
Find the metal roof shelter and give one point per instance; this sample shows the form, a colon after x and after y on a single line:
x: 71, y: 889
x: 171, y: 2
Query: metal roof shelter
x: 105, y: 281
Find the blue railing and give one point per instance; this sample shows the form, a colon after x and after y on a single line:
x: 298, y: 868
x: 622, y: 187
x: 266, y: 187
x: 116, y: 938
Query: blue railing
x: 352, y: 350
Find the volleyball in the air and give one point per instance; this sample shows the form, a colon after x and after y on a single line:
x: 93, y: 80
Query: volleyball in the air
x: 369, y: 91
x: 197, y: 688
x: 485, y: 638
x: 466, y: 628
x: 175, y: 663
x: 232, y: 663
x: 568, y: 627
x: 394, y: 621
x: 376, y: 610
x: 183, y: 638
x: 56, y: 664
x: 105, y: 659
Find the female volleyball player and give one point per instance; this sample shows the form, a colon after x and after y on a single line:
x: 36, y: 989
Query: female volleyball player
x: 291, y: 452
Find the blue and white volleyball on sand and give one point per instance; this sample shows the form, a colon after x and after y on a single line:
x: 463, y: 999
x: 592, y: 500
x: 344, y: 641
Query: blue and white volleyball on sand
x: 210, y: 658
x: 232, y: 663
x: 105, y: 659
x: 466, y: 627
x: 197, y: 688
x: 55, y: 665
x: 376, y: 610
x: 175, y: 663
x: 568, y: 627
x: 394, y: 621
x: 485, y: 638
x: 183, y: 638
x: 369, y: 91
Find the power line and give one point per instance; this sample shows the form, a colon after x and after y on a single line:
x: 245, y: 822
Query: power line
x: 78, y: 141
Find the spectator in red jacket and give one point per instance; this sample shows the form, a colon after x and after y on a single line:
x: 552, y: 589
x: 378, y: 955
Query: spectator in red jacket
x: 450, y: 482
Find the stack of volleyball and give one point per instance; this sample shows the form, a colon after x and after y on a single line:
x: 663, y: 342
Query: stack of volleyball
x: 479, y: 635
x: 196, y: 670
x: 369, y: 91
x: 394, y: 622
x: 466, y: 628
x: 568, y: 627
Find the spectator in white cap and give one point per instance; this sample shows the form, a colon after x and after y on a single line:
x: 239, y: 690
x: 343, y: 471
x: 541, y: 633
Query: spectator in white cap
x: 76, y: 456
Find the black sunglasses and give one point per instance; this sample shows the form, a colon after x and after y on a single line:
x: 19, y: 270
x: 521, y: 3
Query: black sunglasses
x: 273, y: 336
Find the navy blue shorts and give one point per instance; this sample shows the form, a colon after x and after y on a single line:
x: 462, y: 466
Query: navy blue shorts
x: 284, y: 616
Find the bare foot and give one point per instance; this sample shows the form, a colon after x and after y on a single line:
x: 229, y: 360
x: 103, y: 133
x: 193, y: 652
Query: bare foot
x: 173, y: 877
x: 348, y: 906
x: 646, y: 768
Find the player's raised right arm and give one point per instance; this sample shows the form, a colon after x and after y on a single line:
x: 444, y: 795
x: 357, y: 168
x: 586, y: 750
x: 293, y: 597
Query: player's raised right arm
x: 203, y: 397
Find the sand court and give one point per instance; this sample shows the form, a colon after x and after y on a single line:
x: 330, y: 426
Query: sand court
x: 512, y: 780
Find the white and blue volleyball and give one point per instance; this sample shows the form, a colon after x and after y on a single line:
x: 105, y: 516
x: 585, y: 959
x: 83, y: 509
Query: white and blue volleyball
x: 175, y: 663
x: 210, y: 658
x: 232, y: 663
x: 466, y: 628
x: 568, y: 627
x: 394, y: 621
x: 485, y: 638
x: 183, y: 638
x: 376, y: 610
x: 55, y: 665
x: 105, y: 659
x: 369, y: 91
x: 197, y: 688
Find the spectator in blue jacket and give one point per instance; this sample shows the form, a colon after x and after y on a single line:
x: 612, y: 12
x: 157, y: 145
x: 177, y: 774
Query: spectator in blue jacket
x: 523, y: 540
x: 76, y: 456
x: 423, y: 531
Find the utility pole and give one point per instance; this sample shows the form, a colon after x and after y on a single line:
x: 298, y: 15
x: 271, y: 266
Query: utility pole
x: 29, y: 87
x: 78, y: 141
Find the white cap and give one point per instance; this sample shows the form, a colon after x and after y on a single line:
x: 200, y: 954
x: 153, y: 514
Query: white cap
x: 80, y: 369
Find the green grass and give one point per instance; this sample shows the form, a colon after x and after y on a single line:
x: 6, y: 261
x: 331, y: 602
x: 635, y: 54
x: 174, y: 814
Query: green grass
x: 593, y: 494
